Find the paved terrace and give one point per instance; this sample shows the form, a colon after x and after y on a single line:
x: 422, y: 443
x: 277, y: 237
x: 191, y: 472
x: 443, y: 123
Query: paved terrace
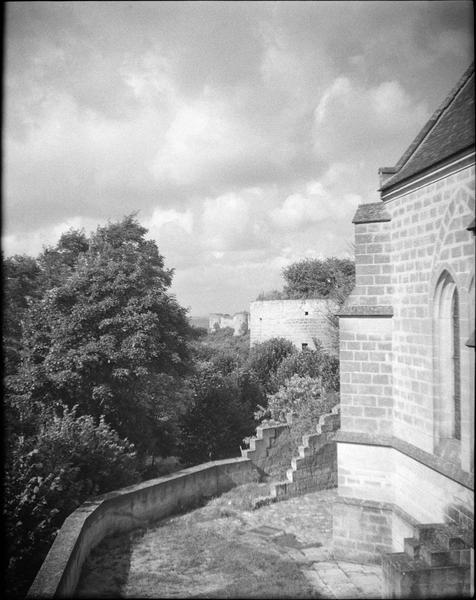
x: 224, y: 551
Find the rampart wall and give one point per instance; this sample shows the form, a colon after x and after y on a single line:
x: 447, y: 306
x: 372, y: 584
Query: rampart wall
x: 300, y: 321
x: 126, y: 509
x: 238, y: 322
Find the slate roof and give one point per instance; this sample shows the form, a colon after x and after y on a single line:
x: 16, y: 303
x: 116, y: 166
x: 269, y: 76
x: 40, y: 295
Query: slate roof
x: 449, y: 131
x: 371, y: 213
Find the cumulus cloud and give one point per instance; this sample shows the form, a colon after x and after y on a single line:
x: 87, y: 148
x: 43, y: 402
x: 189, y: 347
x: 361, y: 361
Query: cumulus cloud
x: 348, y: 115
x: 244, y: 134
x: 316, y: 204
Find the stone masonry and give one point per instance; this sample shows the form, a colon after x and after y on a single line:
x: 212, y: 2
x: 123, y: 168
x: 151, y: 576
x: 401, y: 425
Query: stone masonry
x: 300, y: 321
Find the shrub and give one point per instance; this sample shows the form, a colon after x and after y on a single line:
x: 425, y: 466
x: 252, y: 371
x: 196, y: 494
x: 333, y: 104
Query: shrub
x: 303, y: 398
x: 265, y: 359
x: 48, y: 476
x: 310, y: 363
x: 216, y: 422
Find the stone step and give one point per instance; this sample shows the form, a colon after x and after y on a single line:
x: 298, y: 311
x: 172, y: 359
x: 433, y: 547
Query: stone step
x: 452, y: 538
x: 434, y: 555
x: 405, y: 577
x: 411, y: 547
x: 428, y: 532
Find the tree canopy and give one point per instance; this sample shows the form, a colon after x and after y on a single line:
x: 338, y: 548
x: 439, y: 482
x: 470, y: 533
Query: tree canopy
x: 104, y: 330
x: 314, y: 278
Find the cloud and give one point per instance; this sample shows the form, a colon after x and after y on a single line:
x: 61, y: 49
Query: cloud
x: 243, y: 134
x: 301, y: 211
x: 348, y: 115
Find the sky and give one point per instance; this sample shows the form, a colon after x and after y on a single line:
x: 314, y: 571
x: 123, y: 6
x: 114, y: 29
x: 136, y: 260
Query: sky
x: 244, y: 134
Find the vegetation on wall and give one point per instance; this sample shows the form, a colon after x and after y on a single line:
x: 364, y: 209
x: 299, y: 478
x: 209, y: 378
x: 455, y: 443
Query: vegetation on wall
x: 303, y: 387
x: 331, y: 278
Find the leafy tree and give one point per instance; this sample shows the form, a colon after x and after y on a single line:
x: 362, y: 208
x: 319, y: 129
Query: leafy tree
x: 105, y: 333
x: 216, y: 422
x: 311, y: 363
x: 49, y: 475
x: 313, y: 278
x: 266, y: 357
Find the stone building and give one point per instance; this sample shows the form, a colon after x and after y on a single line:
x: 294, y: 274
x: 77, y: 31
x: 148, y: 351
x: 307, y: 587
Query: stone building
x: 238, y: 322
x: 406, y: 445
x: 299, y: 321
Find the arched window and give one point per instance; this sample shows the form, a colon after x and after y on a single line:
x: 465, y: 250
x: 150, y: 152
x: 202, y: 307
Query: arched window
x: 447, y: 409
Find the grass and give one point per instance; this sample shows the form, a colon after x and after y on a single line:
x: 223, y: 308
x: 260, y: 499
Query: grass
x: 205, y: 553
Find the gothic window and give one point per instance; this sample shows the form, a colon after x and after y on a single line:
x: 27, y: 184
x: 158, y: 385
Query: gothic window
x: 447, y: 409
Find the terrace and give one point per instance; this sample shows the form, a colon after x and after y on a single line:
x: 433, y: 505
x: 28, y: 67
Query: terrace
x: 224, y: 549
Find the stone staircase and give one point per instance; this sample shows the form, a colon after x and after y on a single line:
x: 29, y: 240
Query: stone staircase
x: 316, y: 466
x: 437, y: 562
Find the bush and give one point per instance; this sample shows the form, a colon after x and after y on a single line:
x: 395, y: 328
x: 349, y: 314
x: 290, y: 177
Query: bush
x: 216, y: 422
x: 310, y: 363
x: 303, y: 398
x: 48, y: 476
x: 265, y: 359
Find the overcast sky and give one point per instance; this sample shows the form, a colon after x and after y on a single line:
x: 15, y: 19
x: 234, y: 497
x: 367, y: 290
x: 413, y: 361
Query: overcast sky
x: 244, y: 133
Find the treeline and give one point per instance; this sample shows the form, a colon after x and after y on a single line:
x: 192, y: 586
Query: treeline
x: 103, y: 374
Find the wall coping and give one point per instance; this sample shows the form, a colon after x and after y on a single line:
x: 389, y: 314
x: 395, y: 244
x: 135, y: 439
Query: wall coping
x: 59, y: 573
x: 431, y: 461
x: 366, y: 311
x: 371, y: 213
x: 320, y: 300
x: 376, y: 505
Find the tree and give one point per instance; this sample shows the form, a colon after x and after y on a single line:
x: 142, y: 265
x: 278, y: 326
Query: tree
x: 105, y: 332
x: 49, y: 475
x: 21, y: 283
x: 266, y: 357
x: 216, y: 421
x: 331, y: 278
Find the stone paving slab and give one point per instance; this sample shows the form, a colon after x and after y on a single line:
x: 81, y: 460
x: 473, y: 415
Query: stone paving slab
x: 292, y: 532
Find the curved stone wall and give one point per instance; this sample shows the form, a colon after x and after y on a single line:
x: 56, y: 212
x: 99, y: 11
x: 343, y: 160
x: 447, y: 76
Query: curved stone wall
x: 126, y: 509
x: 300, y: 321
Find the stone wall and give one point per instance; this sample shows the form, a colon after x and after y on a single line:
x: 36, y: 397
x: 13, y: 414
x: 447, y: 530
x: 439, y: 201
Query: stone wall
x: 238, y: 322
x: 300, y: 321
x: 428, y: 235
x: 271, y: 451
x: 126, y: 509
x: 389, y: 348
x: 314, y: 468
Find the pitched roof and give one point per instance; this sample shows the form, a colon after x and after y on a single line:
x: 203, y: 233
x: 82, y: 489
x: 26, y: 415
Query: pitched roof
x: 449, y: 131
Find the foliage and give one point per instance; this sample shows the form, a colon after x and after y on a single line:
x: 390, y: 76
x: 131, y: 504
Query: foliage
x: 49, y: 475
x: 105, y: 333
x: 272, y: 295
x: 313, y: 278
x: 311, y: 363
x: 266, y: 357
x: 225, y: 351
x: 331, y: 278
x: 301, y: 397
x: 21, y: 282
x: 216, y: 422
x: 58, y: 262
